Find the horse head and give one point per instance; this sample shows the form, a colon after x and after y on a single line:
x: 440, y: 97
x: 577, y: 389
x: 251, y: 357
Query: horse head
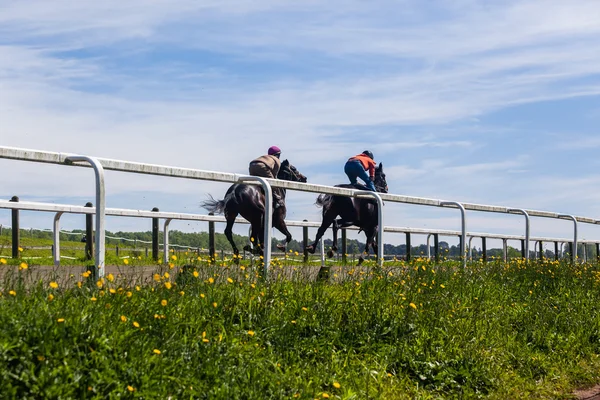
x: 380, y: 182
x: 288, y: 172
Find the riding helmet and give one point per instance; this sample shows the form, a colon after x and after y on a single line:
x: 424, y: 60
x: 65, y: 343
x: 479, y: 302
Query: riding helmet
x: 368, y: 154
x: 273, y: 150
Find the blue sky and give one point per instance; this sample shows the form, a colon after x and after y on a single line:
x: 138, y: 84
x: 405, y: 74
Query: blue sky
x: 493, y: 102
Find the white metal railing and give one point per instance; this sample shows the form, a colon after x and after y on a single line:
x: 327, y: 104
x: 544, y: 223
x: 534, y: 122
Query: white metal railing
x: 101, y: 164
x: 61, y: 209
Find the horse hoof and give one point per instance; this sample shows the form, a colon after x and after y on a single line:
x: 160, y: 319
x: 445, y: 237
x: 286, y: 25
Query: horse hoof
x: 281, y: 247
x: 248, y: 248
x: 330, y: 254
x: 310, y: 249
x: 360, y: 261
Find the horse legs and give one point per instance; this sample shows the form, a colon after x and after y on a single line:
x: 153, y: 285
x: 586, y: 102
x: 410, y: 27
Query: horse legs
x: 370, y: 233
x: 279, y: 224
x: 328, y: 218
x: 229, y: 232
x: 334, y: 228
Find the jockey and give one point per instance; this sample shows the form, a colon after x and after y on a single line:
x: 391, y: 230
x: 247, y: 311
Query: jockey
x: 267, y: 166
x: 357, y: 167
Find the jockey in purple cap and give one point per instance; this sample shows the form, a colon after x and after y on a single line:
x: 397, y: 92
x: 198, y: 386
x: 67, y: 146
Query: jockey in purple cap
x: 267, y: 166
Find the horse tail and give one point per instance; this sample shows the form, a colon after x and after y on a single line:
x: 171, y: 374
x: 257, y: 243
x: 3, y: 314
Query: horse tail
x: 324, y: 201
x: 213, y: 206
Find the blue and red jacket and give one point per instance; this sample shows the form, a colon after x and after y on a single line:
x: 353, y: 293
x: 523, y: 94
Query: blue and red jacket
x: 367, y: 163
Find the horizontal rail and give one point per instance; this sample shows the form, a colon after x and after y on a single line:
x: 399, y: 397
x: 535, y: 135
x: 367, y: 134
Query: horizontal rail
x: 189, y: 173
x: 121, y: 212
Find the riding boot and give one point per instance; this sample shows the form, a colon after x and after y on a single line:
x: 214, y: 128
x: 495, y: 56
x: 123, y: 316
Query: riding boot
x: 277, y: 198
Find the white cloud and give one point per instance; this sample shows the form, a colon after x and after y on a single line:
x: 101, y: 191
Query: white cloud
x: 348, y: 75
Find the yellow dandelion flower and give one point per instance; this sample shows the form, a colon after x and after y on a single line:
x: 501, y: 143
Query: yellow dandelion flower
x: 139, y: 257
x: 325, y: 395
x: 53, y: 285
x: 3, y: 261
x: 174, y: 257
x: 182, y: 293
x: 100, y: 284
x: 112, y: 291
x: 110, y: 277
x: 137, y: 288
x: 304, y: 309
x: 126, y: 261
x: 93, y: 299
x: 336, y: 385
x: 295, y: 253
x: 205, y: 340
x: 12, y: 293
x: 136, y: 324
x: 293, y: 321
x: 251, y: 333
x: 202, y: 295
x: 442, y: 286
x: 41, y: 358
x: 253, y: 286
x: 413, y: 305
x: 79, y: 284
x: 20, y: 249
x: 128, y: 294
x: 123, y: 318
x: 229, y: 280
x: 168, y: 285
x: 166, y: 275
x: 23, y: 266
x: 156, y: 277
x: 215, y: 305
x: 163, y: 303
x: 130, y: 388
x: 171, y: 265
x: 50, y: 297
x: 196, y: 274
x: 156, y: 351
x: 86, y: 274
x: 60, y: 320
x: 211, y: 280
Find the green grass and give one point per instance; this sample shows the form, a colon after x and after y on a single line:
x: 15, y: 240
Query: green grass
x: 412, y: 331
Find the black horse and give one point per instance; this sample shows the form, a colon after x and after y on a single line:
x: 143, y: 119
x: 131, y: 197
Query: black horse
x: 353, y: 211
x: 249, y: 202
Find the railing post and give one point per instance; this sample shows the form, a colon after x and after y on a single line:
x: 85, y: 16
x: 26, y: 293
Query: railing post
x: 484, y: 248
x: 365, y: 194
x: 463, y: 237
x: 505, y: 250
x: 16, y: 235
x: 436, y: 247
x: 408, y: 247
x: 556, y: 254
x: 571, y: 249
x: 267, y: 220
x: 56, y: 239
x: 344, y: 247
x: 574, y: 246
x: 211, y: 237
x: 471, y: 248
x: 525, y: 244
x: 305, y: 242
x: 100, y: 211
x: 166, y: 241
x: 155, y: 229
x: 428, y: 247
x: 597, y: 252
x: 89, y: 233
x: 524, y: 253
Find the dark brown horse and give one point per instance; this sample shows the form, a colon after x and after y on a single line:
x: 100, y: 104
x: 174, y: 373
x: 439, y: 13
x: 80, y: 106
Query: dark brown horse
x: 249, y: 202
x: 359, y: 212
